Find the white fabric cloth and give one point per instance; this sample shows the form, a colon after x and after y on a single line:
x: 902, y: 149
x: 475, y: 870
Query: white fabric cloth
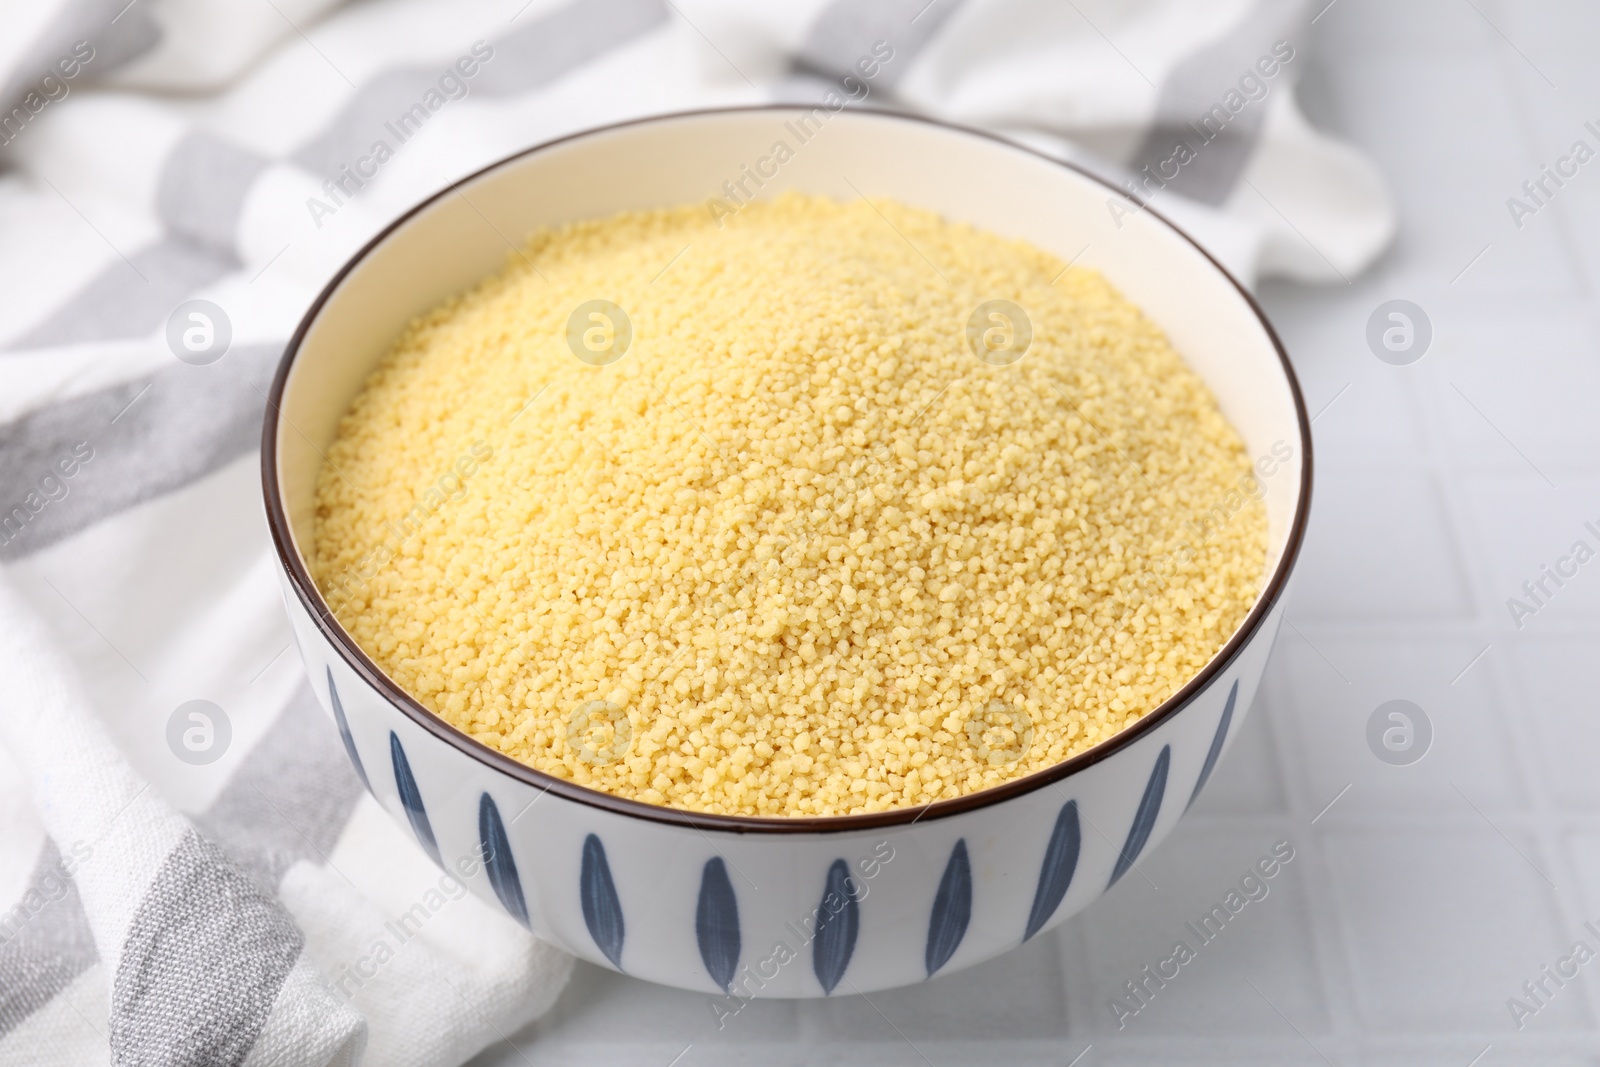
x: 207, y: 882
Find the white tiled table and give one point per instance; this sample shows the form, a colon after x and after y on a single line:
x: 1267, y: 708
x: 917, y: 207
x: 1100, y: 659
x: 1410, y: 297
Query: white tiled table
x: 1426, y: 896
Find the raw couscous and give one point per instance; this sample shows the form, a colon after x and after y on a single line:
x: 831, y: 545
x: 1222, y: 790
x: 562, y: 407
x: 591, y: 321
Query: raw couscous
x: 778, y: 516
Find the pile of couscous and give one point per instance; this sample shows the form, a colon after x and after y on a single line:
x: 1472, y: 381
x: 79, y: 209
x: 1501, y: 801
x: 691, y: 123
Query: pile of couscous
x: 780, y: 517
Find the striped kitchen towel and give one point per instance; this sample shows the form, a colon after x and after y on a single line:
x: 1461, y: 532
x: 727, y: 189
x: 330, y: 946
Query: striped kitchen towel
x: 189, y: 870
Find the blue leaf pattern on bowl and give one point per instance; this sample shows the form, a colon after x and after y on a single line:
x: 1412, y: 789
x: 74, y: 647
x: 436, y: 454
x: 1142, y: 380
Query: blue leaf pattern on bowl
x: 1055, y: 874
x: 838, y: 923
x: 716, y: 923
x: 602, y: 910
x: 411, y: 799
x: 344, y: 731
x: 497, y: 861
x: 952, y: 910
x: 1144, y: 820
x: 1216, y: 745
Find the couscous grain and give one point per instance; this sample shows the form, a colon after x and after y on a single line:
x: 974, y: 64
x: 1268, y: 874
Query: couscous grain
x: 790, y: 547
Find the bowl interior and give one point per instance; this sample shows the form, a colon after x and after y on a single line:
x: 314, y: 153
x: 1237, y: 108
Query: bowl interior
x: 464, y: 233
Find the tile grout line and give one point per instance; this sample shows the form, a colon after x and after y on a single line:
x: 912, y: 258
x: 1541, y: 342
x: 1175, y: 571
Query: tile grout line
x: 1554, y: 829
x: 1334, y: 973
x: 1448, y: 472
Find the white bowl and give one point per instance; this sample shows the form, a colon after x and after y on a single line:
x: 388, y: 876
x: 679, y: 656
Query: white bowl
x: 795, y: 907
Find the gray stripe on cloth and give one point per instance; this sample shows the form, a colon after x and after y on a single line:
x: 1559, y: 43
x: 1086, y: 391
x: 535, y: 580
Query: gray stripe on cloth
x: 206, y: 953
x: 118, y: 32
x: 202, y: 209
x: 360, y: 124
x: 128, y: 302
x: 292, y: 797
x: 527, y: 58
x: 535, y: 55
x: 846, y: 31
x: 45, y: 941
x: 290, y: 800
x: 1198, y: 84
x: 148, y: 437
x: 806, y: 89
x: 203, y: 183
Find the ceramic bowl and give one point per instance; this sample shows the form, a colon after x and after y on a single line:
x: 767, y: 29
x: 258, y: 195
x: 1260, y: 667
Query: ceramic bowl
x: 782, y: 907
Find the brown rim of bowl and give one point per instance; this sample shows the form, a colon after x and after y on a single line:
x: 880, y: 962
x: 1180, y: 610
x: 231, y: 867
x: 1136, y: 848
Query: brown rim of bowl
x: 311, y: 597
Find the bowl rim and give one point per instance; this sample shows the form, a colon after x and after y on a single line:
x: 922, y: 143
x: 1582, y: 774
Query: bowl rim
x: 311, y: 598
